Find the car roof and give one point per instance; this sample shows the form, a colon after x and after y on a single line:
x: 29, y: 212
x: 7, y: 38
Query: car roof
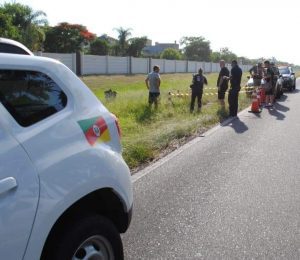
x: 12, y: 60
x: 14, y: 47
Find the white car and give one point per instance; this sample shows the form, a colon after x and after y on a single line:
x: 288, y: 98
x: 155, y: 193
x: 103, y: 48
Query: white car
x: 65, y: 190
x: 11, y: 46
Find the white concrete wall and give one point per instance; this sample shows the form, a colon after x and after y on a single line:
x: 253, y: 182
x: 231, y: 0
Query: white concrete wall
x: 192, y: 66
x: 118, y: 65
x: 215, y: 67
x: 68, y: 59
x: 180, y: 66
x: 139, y: 66
x: 160, y: 63
x: 170, y: 66
x: 93, y: 64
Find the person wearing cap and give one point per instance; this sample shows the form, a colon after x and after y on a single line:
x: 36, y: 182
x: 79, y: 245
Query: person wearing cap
x: 235, y: 87
x: 153, y: 84
x: 221, y: 83
x: 197, y: 89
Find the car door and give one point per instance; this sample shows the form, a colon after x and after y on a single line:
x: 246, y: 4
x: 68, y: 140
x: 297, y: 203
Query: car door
x: 19, y: 193
x: 19, y: 183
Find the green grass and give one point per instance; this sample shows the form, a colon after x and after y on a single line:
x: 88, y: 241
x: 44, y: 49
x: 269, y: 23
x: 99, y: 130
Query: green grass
x: 149, y: 133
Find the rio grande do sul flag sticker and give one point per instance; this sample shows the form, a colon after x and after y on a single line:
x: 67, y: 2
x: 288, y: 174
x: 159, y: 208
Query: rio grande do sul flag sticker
x: 95, y: 130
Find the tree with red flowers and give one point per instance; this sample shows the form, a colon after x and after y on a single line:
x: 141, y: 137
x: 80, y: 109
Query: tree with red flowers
x: 67, y: 38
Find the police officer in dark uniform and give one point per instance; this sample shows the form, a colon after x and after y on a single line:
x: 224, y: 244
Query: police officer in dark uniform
x: 235, y: 87
x: 197, y: 89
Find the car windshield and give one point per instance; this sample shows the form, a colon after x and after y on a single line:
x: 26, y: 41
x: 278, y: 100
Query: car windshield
x: 284, y: 71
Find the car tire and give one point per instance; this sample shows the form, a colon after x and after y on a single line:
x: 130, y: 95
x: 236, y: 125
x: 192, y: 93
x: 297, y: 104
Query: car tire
x: 89, y: 238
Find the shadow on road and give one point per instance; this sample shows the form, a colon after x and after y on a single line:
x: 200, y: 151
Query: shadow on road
x: 238, y: 126
x: 296, y: 91
x: 281, y: 107
x: 282, y: 98
x: 276, y: 113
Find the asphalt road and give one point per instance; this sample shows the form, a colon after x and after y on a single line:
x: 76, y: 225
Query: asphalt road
x: 232, y: 194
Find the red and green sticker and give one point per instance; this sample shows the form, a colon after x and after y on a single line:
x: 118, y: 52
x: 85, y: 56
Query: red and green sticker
x: 95, y: 130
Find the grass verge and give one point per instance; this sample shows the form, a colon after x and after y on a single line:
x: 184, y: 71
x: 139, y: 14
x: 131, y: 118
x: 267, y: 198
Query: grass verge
x: 148, y: 134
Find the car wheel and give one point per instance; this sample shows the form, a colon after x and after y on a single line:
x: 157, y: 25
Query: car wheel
x: 93, y: 237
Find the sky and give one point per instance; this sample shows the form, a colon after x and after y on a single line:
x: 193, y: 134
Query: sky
x: 253, y: 29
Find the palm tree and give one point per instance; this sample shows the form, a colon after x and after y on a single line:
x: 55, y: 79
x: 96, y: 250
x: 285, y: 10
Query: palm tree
x: 123, y: 35
x: 28, y: 22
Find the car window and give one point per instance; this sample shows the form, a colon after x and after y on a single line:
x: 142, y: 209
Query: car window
x: 30, y: 96
x: 8, y: 48
x: 284, y: 71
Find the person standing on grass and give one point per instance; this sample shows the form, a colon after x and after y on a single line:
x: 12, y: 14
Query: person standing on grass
x: 197, y: 89
x: 222, y: 84
x: 235, y: 87
x: 153, y: 84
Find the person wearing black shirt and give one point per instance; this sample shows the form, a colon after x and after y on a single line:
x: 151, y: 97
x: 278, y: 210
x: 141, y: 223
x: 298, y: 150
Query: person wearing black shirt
x: 235, y: 87
x: 197, y: 89
x: 269, y: 83
x: 257, y: 74
x: 222, y: 83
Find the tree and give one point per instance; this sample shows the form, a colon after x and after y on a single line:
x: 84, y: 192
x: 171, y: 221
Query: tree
x: 121, y: 49
x: 245, y: 60
x: 215, y: 56
x: 7, y: 29
x: 171, y: 54
x: 224, y: 54
x: 227, y: 55
x: 99, y: 47
x: 67, y: 38
x: 196, y: 48
x: 136, y: 45
x: 23, y: 24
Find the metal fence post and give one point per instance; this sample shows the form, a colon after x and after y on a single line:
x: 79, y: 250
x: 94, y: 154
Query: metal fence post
x: 150, y: 65
x: 78, y: 63
x: 106, y: 65
x: 129, y: 70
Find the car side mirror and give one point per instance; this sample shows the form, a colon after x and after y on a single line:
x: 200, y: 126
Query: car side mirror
x: 293, y: 73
